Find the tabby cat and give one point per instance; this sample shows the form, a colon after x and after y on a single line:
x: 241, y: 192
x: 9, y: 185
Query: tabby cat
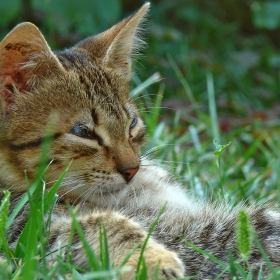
x: 85, y: 89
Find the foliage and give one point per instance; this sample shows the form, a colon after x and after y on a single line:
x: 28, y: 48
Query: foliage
x: 266, y: 14
x: 219, y: 62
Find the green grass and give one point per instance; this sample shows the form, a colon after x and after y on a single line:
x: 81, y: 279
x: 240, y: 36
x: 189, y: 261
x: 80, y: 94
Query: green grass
x: 210, y: 94
x: 219, y: 171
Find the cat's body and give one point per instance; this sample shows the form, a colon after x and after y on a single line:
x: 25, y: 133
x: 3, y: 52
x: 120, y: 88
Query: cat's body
x: 84, y: 91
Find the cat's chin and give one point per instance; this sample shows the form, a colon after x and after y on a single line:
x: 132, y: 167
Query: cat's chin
x: 108, y: 198
x: 110, y: 190
x: 98, y: 193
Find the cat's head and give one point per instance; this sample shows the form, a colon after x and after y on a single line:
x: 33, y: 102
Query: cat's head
x: 84, y: 92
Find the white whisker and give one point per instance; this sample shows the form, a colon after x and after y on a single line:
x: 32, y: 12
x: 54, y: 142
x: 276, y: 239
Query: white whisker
x: 70, y: 190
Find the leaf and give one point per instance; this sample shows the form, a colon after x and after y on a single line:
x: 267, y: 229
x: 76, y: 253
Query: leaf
x: 266, y: 15
x: 220, y: 148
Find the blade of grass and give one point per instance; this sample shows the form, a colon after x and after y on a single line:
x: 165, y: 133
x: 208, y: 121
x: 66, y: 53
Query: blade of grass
x: 261, y: 274
x: 211, y: 257
x: 141, y: 87
x: 43, y: 167
x: 195, y: 138
x: 154, y: 115
x: 212, y: 107
x: 140, y: 261
x: 129, y: 255
x: 4, y: 212
x: 50, y: 196
x: 267, y: 261
x: 241, y: 271
x: 108, y: 274
x: 48, y: 200
x: 93, y: 260
x: 142, y: 270
x: 104, y: 249
x: 23, y: 201
x: 184, y: 83
x: 232, y: 266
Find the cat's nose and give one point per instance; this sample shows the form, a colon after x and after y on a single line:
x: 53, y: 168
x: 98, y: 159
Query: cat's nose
x: 128, y: 173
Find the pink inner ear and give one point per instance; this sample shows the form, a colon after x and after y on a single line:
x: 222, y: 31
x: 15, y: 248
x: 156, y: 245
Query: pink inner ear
x: 14, y: 78
x: 11, y: 62
x: 11, y: 75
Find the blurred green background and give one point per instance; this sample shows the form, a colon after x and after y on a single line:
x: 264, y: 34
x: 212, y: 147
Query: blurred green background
x: 236, y: 40
x: 226, y: 48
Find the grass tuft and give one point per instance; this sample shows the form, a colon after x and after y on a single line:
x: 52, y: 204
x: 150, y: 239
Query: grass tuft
x: 245, y: 165
x: 244, y: 235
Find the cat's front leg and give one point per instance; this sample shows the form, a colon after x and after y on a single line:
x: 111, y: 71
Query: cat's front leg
x: 123, y: 234
x: 168, y: 263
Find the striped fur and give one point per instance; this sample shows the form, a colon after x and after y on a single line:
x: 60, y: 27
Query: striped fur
x: 83, y: 93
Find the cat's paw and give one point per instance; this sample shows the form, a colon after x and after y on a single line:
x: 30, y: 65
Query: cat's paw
x: 166, y: 264
x: 160, y: 262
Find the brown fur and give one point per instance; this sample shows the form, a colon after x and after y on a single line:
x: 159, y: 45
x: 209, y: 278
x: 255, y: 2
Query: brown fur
x: 87, y: 86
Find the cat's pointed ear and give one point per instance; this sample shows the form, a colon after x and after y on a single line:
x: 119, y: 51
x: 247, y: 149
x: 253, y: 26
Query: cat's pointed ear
x: 24, y: 55
x: 116, y: 46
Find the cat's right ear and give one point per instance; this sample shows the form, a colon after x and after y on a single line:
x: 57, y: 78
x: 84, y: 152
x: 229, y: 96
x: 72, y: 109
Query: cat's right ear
x: 115, y: 47
x: 25, y: 58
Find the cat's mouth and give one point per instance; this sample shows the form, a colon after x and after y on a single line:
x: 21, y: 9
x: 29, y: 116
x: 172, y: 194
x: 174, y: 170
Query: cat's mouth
x: 98, y: 189
x: 114, y: 189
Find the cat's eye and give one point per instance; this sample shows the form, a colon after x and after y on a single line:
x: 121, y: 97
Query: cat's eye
x: 133, y: 123
x: 81, y: 131
x: 84, y: 132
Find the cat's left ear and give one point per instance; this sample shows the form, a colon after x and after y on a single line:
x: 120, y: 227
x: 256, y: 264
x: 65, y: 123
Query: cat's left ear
x: 25, y: 58
x: 116, y: 46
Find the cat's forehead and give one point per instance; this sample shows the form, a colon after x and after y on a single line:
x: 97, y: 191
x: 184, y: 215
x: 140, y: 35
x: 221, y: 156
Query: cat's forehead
x: 73, y: 59
x: 103, y: 92
x: 98, y: 84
